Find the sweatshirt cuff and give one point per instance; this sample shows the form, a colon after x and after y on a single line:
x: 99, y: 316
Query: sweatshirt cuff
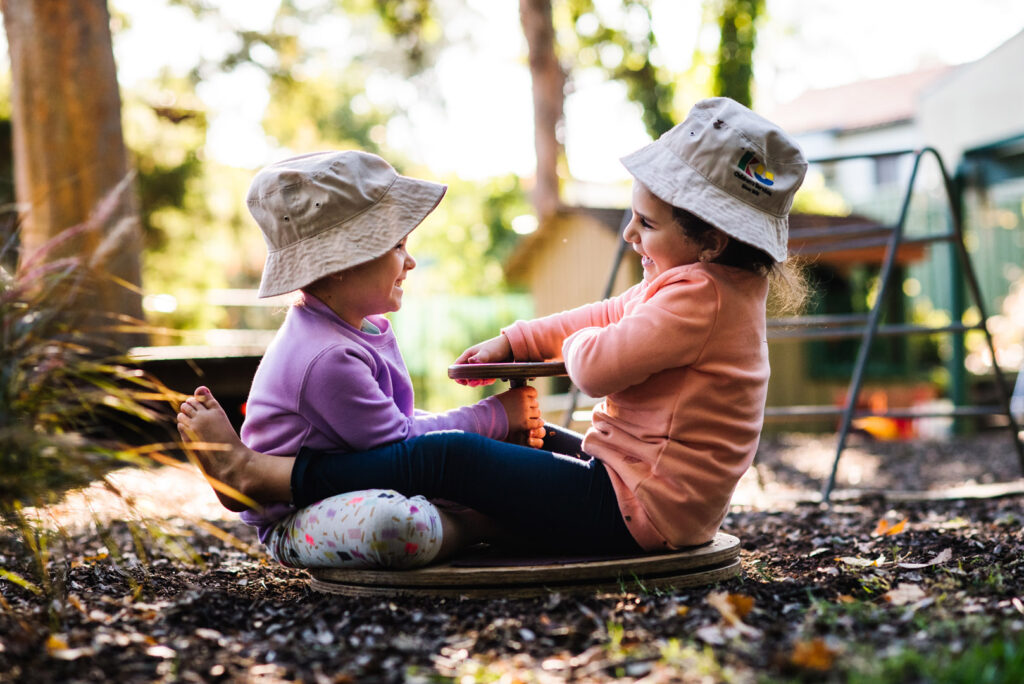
x: 517, y: 341
x: 498, y: 423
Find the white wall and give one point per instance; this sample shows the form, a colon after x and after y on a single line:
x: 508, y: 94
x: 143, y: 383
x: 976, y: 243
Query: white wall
x: 976, y: 104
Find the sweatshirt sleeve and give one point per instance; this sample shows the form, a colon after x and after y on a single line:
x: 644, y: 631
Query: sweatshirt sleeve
x: 668, y: 330
x: 541, y: 339
x: 345, y: 396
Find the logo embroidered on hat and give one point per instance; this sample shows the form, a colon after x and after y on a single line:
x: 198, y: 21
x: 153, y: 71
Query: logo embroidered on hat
x: 753, y: 167
x: 729, y: 166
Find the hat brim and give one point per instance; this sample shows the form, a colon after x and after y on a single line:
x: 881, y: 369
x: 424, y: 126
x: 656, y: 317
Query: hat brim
x: 676, y: 182
x: 374, y: 231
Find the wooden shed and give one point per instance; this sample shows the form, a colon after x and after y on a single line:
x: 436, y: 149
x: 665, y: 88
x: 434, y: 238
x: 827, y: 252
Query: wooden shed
x: 566, y: 262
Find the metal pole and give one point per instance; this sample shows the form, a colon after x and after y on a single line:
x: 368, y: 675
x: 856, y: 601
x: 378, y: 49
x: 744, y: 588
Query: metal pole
x: 869, y: 334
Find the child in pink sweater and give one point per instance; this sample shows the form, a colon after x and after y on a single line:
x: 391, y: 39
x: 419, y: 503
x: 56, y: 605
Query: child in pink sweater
x: 681, y: 359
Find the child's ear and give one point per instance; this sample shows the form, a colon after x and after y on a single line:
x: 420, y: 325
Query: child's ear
x: 715, y: 243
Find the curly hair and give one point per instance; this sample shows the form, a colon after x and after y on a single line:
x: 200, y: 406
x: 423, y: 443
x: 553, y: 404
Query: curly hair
x: 788, y: 288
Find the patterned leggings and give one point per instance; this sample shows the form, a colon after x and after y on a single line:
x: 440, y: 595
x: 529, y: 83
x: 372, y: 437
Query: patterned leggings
x: 367, y: 529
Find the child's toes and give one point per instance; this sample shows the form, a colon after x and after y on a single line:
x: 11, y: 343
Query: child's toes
x: 204, y: 397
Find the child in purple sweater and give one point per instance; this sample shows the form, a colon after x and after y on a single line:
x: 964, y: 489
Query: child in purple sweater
x: 336, y: 225
x: 681, y: 359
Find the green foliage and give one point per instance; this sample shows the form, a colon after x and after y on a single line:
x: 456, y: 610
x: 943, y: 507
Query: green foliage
x: 190, y: 208
x: 815, y: 197
x: 67, y: 406
x: 412, y: 24
x: 998, y: 662
x: 622, y: 44
x: 433, y: 329
x: 328, y: 110
x: 461, y: 246
x: 734, y: 72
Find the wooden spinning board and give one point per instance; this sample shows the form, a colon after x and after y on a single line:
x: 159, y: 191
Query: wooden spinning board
x: 702, y: 565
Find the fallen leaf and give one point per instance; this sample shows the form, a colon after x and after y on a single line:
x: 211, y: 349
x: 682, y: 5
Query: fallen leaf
x: 57, y: 647
x: 863, y: 562
x: 845, y: 598
x: 904, y: 593
x: 71, y: 653
x: 727, y: 608
x: 956, y: 523
x: 943, y: 556
x: 77, y: 604
x: 160, y: 652
x: 741, y: 603
x: 712, y: 635
x: 55, y: 643
x: 884, y: 527
x: 813, y: 655
x: 732, y: 608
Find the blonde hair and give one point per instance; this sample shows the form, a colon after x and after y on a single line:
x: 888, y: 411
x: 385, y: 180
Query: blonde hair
x: 788, y: 288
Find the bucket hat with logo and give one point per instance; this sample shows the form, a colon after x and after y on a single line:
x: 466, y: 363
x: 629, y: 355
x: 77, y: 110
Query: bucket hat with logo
x: 729, y: 166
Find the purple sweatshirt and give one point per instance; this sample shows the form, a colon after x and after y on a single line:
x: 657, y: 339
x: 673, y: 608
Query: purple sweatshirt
x: 323, y: 384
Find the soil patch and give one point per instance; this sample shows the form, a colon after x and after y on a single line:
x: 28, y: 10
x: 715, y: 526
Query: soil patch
x: 173, y: 588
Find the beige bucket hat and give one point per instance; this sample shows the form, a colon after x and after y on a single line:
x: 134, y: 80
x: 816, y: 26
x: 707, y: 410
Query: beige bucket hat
x: 729, y: 166
x: 324, y: 212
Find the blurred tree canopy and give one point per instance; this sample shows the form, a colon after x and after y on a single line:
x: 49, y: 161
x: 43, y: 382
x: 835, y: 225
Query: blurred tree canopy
x: 621, y: 44
x: 734, y: 71
x: 196, y: 231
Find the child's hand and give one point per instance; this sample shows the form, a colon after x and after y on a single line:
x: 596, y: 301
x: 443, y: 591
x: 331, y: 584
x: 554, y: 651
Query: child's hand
x: 523, y: 411
x: 535, y: 437
x: 495, y: 350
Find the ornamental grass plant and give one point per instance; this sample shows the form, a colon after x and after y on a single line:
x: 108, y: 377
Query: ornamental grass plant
x: 73, y: 408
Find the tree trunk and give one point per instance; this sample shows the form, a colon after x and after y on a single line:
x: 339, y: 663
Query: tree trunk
x: 548, y: 100
x: 69, y: 152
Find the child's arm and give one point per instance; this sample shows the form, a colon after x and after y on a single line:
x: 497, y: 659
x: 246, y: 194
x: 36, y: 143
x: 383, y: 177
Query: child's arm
x: 352, y: 401
x: 541, y: 338
x: 669, y: 330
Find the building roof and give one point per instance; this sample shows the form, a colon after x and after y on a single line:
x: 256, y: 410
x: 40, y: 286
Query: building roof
x: 863, y: 104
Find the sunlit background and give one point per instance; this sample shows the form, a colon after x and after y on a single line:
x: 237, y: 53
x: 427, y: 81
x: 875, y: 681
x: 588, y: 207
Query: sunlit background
x: 214, y: 90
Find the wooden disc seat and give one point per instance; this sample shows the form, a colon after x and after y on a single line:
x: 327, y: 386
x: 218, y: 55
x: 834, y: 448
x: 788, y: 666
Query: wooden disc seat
x: 521, y: 577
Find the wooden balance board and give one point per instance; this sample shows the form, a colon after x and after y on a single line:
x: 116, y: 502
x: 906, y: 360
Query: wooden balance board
x: 514, y: 577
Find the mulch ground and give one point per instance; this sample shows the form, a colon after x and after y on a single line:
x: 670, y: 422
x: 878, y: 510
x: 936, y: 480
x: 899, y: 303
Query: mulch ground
x: 905, y: 566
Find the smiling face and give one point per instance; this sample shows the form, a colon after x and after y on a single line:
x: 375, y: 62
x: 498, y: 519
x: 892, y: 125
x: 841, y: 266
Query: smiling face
x: 373, y: 287
x: 656, y: 236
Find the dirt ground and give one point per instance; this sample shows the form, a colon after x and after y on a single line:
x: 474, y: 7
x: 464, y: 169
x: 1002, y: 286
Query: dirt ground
x: 914, y: 569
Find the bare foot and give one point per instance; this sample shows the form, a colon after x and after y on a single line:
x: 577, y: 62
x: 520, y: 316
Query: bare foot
x: 221, y: 455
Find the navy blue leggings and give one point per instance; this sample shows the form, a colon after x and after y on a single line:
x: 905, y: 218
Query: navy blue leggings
x: 546, y: 500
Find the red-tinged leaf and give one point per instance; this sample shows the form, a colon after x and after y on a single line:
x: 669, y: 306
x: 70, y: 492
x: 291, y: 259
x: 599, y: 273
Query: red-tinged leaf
x: 813, y: 655
x: 729, y: 606
x: 884, y: 527
x: 742, y: 604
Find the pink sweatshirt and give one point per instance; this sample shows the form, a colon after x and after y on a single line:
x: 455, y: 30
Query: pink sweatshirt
x: 682, y: 362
